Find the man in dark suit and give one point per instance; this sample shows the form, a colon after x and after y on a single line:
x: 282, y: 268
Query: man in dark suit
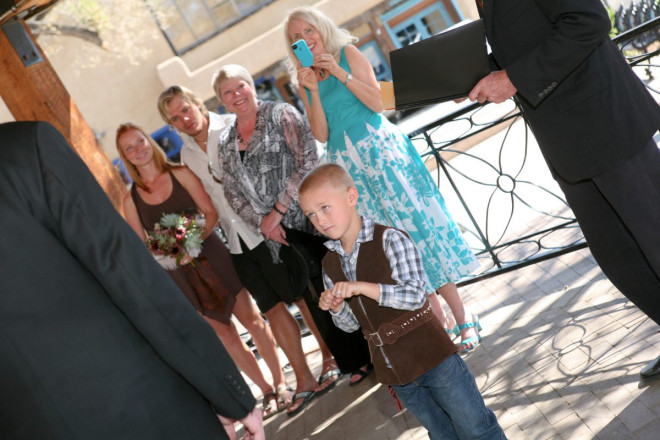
x: 96, y: 342
x: 594, y: 121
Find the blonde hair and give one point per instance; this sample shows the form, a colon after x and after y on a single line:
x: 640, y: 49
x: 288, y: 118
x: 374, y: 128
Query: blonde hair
x: 230, y: 71
x: 172, y: 92
x: 160, y: 159
x: 334, y: 38
x: 331, y: 174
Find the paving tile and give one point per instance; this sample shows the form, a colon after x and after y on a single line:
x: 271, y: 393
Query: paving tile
x: 541, y: 429
x: 650, y: 431
x: 552, y: 375
x: 554, y: 409
x: 597, y: 350
x: 530, y: 418
x: 514, y: 432
x: 636, y: 416
x: 574, y: 360
x: 573, y: 428
x: 617, y: 400
x: 615, y: 430
x: 557, y: 365
x: 572, y: 391
x: 650, y: 398
x: 596, y: 423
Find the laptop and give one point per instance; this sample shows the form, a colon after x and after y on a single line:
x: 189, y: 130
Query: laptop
x: 440, y: 68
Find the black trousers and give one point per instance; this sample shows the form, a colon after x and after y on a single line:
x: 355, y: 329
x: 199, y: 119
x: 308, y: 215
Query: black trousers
x: 619, y: 213
x: 350, y: 350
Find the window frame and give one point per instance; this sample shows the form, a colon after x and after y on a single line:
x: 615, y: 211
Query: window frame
x: 198, y: 41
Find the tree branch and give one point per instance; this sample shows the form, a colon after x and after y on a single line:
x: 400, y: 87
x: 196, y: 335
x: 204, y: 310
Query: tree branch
x: 71, y: 31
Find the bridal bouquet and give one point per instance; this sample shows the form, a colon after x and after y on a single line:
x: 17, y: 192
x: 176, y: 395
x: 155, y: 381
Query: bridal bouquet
x: 174, y: 236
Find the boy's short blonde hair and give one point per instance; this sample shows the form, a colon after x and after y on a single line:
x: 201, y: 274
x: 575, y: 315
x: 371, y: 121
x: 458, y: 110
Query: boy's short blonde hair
x: 329, y: 173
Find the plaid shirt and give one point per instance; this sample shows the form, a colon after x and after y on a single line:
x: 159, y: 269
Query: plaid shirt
x: 407, y: 271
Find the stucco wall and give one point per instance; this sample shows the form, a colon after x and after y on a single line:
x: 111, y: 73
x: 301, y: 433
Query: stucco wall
x: 114, y: 92
x: 264, y: 50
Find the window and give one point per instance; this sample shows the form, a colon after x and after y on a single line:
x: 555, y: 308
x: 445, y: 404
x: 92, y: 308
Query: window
x: 375, y: 57
x: 187, y: 23
x: 408, y: 35
x: 425, y: 23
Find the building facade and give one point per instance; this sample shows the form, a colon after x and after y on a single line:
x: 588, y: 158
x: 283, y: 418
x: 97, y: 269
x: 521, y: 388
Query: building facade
x: 197, y: 37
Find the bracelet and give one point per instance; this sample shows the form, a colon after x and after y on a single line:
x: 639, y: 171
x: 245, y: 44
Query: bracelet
x: 348, y: 79
x: 278, y: 211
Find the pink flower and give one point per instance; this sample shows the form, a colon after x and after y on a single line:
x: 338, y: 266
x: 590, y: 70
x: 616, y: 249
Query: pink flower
x: 179, y: 234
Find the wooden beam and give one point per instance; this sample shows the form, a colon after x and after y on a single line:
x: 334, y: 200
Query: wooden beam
x: 35, y: 92
x: 26, y: 8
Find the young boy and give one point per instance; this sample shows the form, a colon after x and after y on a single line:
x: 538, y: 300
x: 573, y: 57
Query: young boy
x: 375, y: 280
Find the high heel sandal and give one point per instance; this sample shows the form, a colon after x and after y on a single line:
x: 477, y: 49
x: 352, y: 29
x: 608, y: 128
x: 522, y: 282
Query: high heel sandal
x: 471, y: 339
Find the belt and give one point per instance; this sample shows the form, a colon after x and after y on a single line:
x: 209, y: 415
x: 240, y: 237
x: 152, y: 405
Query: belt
x: 389, y: 332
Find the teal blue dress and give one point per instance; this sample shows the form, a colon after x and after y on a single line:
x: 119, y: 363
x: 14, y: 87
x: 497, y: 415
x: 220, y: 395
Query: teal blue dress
x: 395, y: 187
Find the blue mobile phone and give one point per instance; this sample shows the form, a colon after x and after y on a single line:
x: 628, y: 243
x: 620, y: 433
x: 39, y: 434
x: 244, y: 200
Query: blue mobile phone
x: 302, y: 52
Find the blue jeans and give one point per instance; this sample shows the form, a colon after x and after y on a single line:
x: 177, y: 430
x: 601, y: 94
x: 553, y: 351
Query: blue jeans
x: 448, y: 404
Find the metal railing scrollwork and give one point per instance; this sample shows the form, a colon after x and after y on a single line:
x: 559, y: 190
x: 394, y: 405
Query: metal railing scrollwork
x: 495, y: 183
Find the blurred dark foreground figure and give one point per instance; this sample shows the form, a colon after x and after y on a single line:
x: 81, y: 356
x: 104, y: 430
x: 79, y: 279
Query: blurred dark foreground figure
x: 96, y: 341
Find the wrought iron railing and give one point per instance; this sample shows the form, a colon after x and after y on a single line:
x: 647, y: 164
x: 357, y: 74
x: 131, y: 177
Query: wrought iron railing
x: 495, y: 182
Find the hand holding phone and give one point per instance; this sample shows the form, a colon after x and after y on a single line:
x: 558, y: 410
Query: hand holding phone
x: 302, y: 52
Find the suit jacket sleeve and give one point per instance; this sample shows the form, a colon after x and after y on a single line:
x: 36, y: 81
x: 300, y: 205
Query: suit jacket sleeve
x: 87, y: 223
x: 578, y: 28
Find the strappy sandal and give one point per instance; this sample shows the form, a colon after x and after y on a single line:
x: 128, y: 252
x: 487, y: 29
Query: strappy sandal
x: 474, y: 339
x: 453, y: 333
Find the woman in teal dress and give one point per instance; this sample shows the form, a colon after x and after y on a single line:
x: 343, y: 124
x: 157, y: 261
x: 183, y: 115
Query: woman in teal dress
x: 344, y: 106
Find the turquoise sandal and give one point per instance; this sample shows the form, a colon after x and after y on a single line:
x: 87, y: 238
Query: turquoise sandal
x: 453, y: 332
x: 472, y: 339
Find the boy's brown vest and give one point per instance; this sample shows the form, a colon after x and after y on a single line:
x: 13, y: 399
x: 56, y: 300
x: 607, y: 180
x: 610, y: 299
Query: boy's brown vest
x: 414, y: 342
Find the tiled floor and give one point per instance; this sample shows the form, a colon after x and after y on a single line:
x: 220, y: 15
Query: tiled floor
x: 560, y: 358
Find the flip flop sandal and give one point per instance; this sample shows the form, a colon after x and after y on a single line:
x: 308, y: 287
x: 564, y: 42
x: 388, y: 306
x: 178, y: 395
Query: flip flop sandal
x: 330, y: 373
x: 363, y: 374
x: 282, y: 393
x: 270, y: 407
x: 307, y: 396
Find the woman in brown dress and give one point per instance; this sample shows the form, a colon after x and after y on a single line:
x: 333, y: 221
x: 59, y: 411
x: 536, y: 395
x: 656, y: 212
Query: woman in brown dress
x: 211, y: 284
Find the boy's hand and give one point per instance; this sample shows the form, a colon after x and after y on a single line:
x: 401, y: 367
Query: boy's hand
x: 346, y: 289
x: 329, y: 301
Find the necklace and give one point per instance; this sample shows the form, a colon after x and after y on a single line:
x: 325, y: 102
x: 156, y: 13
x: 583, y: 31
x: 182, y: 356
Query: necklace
x: 239, y: 136
x: 322, y: 73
